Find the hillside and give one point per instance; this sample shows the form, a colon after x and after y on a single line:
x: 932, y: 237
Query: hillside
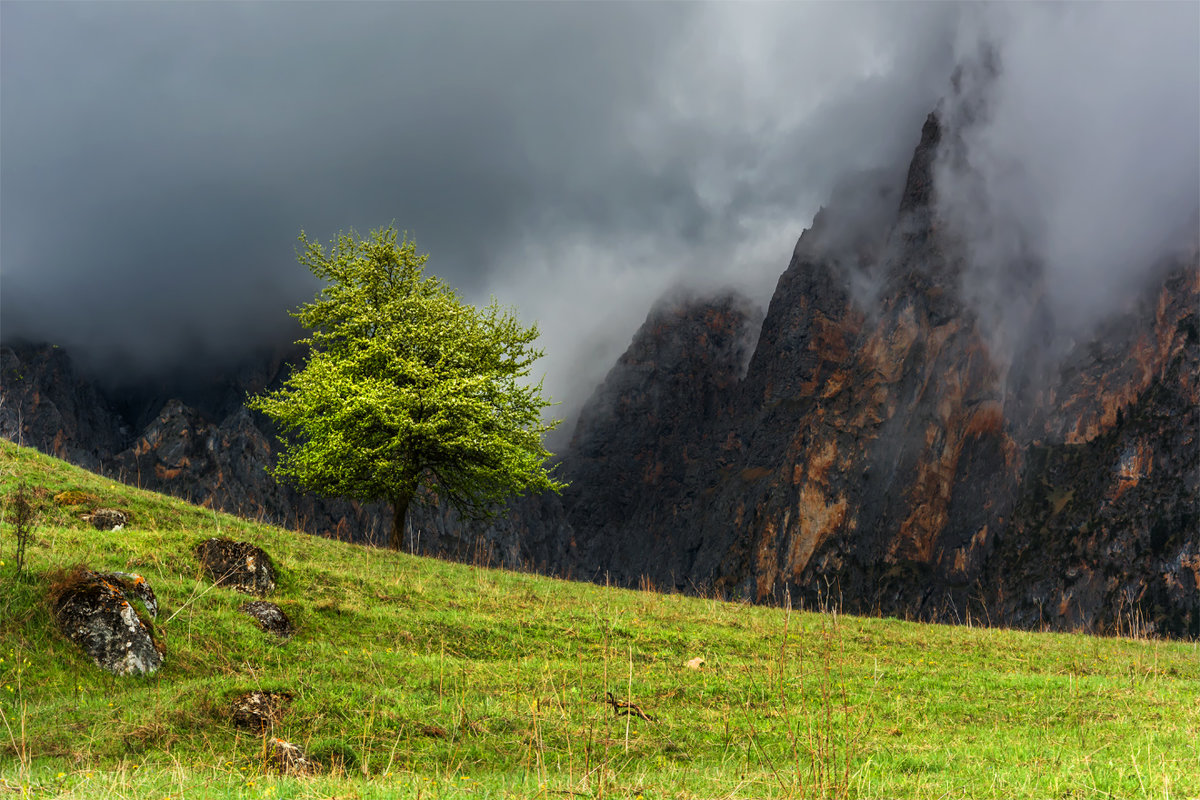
x: 412, y: 677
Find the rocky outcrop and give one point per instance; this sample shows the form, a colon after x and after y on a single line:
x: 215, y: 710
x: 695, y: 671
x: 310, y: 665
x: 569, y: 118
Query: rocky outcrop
x: 259, y: 711
x: 650, y: 434
x: 46, y: 404
x: 1106, y: 534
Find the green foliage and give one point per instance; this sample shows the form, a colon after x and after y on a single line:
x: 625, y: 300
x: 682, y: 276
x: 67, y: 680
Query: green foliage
x: 407, y: 390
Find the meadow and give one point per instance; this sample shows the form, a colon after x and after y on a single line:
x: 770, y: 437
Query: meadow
x: 411, y: 677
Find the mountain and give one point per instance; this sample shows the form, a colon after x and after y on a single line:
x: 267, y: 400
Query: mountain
x: 884, y: 453
x: 874, y: 440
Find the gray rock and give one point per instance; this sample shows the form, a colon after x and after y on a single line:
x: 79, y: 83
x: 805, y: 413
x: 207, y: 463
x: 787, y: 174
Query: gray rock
x: 93, y: 611
x: 237, y: 565
x: 270, y: 617
x: 133, y: 584
x: 108, y: 519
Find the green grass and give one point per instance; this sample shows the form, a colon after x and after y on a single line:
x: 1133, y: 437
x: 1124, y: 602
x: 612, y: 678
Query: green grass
x: 419, y: 678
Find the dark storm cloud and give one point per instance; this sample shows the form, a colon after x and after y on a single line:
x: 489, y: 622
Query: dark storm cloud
x: 158, y: 160
x: 572, y: 159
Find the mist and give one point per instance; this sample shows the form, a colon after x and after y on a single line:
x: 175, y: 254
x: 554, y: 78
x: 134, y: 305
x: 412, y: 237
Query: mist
x: 157, y: 161
x: 1078, y: 164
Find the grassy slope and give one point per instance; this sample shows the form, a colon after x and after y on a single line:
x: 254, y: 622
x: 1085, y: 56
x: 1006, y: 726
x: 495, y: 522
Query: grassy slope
x: 433, y: 679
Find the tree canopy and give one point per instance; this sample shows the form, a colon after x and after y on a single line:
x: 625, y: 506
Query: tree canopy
x: 406, y: 390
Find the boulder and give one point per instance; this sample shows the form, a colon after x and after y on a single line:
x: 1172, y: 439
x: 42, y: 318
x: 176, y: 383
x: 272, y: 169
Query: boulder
x: 94, y: 611
x: 270, y: 617
x: 238, y: 565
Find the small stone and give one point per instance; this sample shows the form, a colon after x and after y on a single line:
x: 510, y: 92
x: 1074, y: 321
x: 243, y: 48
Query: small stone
x: 695, y: 663
x: 270, y: 617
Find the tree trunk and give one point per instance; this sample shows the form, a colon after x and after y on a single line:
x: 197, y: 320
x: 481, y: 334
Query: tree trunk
x: 399, y: 515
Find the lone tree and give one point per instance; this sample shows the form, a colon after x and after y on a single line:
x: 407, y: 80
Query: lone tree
x: 407, y: 391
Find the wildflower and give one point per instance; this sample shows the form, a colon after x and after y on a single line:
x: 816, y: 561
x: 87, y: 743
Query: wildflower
x: 60, y: 776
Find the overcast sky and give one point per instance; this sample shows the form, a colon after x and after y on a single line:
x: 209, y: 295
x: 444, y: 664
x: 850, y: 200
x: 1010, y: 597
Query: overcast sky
x: 157, y: 160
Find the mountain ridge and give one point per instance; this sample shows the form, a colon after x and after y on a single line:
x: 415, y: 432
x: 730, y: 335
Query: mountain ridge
x: 874, y: 436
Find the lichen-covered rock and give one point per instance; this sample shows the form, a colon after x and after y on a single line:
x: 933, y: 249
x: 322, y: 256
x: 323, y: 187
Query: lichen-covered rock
x: 237, y: 565
x: 289, y: 759
x: 93, y: 611
x: 108, y: 519
x: 259, y: 711
x: 270, y: 617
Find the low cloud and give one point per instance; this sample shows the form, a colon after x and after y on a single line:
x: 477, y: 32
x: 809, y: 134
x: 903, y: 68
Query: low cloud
x: 574, y: 160
x: 1079, y: 159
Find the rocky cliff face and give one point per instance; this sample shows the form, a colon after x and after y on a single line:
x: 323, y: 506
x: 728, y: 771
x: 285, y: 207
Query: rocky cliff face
x: 883, y: 453
x: 869, y: 442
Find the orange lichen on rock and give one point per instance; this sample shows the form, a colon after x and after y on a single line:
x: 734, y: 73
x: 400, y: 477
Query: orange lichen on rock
x: 820, y: 462
x: 834, y: 384
x: 755, y: 473
x: 962, y: 556
x: 1064, y: 604
x: 930, y: 496
x: 886, y: 350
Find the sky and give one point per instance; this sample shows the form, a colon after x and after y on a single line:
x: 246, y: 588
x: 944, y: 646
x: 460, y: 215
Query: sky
x: 574, y: 160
